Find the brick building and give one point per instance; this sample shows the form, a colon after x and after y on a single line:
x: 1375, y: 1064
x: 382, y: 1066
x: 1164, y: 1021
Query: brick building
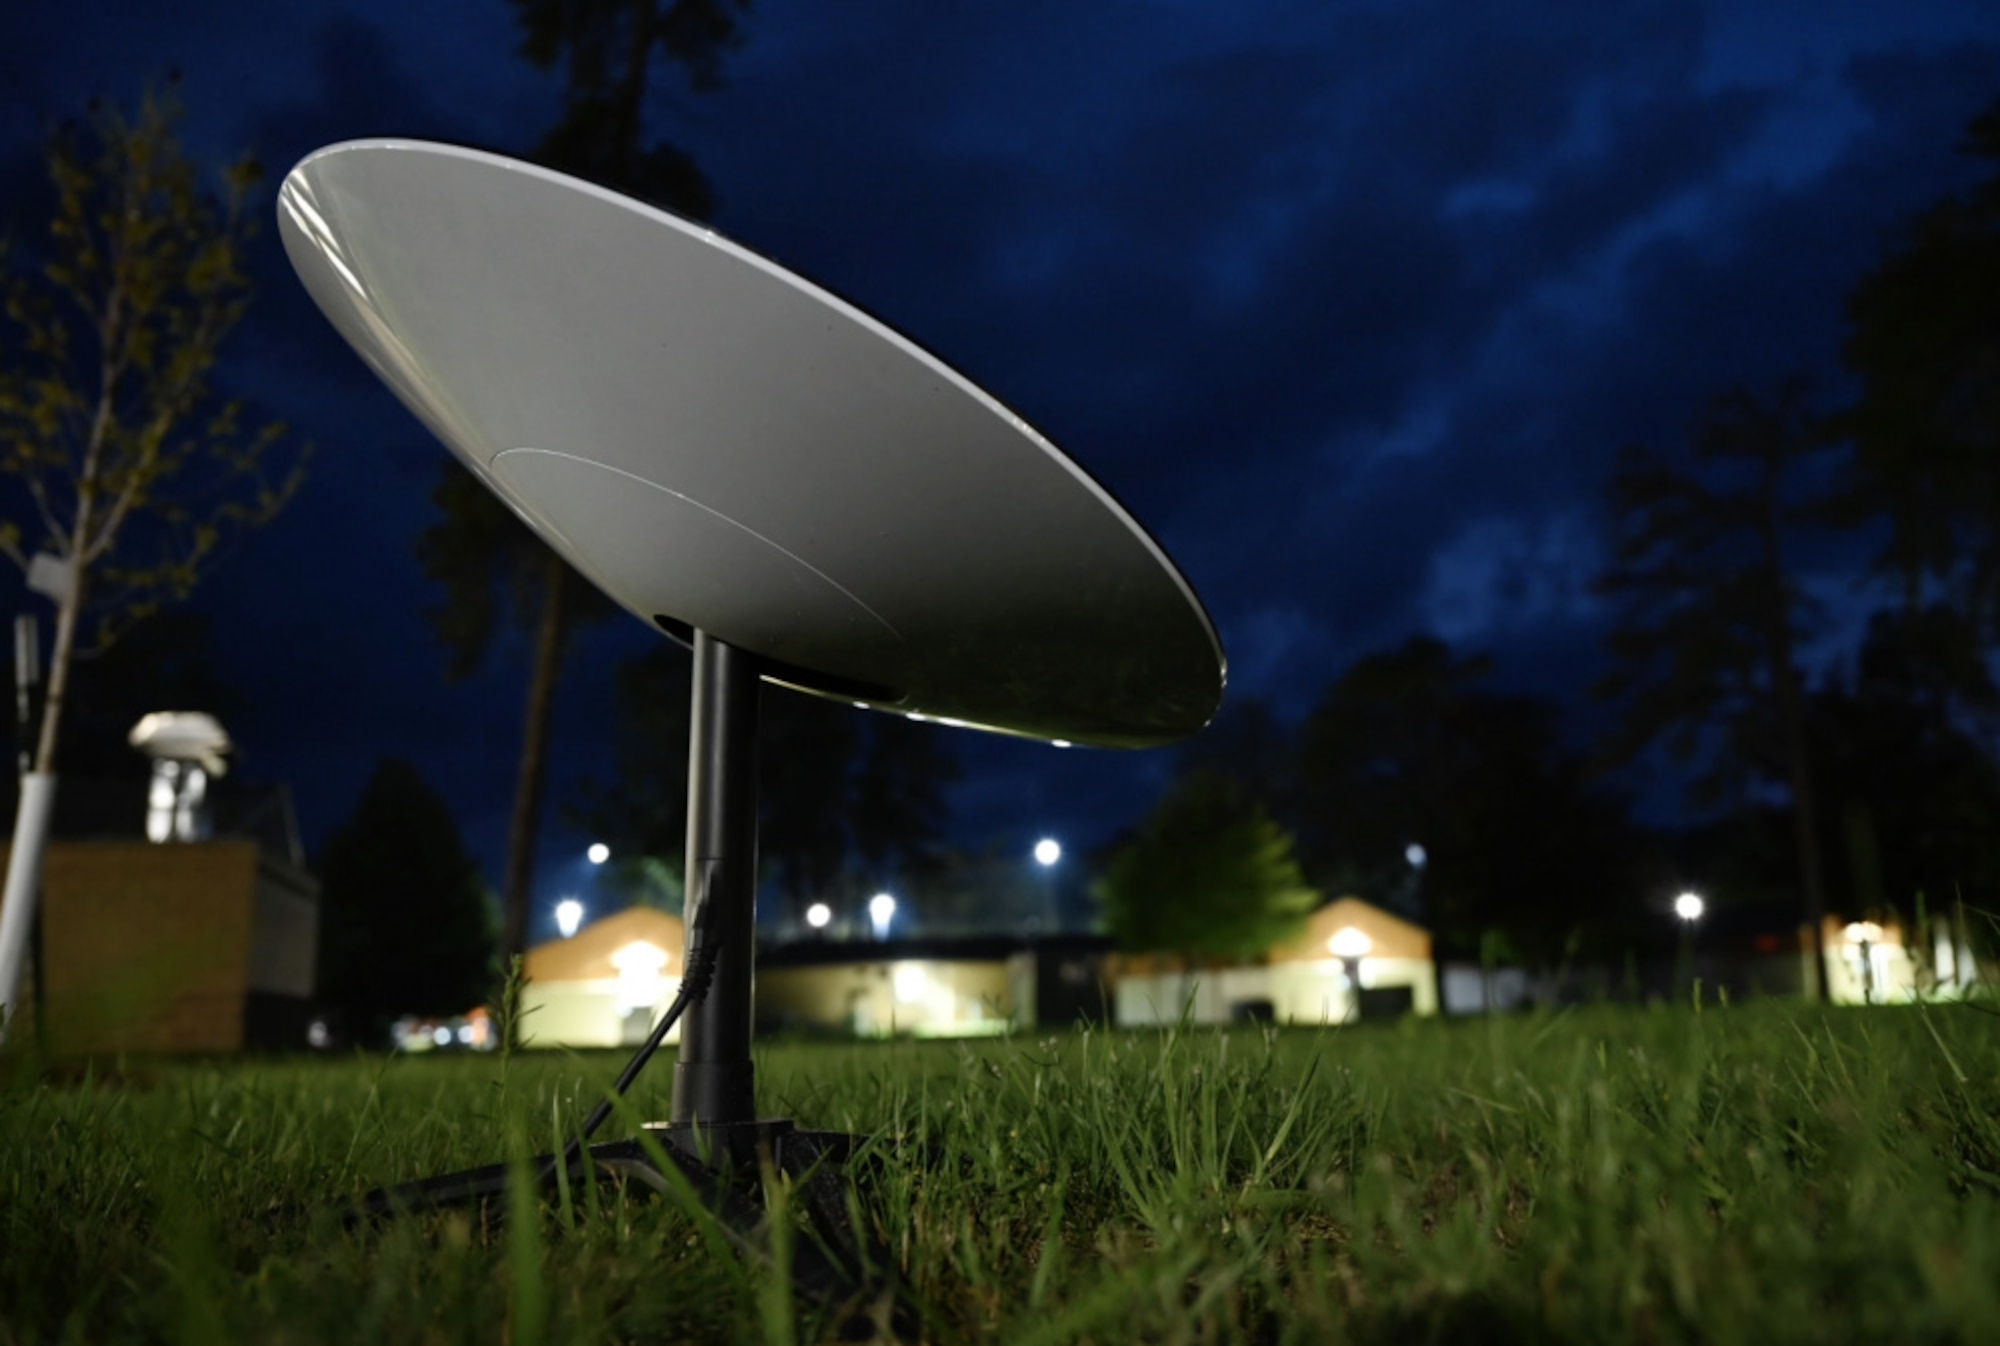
x: 201, y: 946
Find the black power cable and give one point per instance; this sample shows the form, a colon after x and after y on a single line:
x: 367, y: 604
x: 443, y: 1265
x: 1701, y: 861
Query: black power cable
x: 694, y: 985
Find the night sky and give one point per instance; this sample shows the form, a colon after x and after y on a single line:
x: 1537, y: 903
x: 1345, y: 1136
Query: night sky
x: 1350, y: 304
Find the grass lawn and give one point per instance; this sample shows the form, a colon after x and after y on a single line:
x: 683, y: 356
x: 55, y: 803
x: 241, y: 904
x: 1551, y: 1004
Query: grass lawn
x: 1759, y: 1173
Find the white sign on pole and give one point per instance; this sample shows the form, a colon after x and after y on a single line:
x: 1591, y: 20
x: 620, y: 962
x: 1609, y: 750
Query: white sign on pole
x: 51, y: 575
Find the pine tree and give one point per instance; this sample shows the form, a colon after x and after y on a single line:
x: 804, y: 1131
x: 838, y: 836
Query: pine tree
x: 1209, y: 875
x: 405, y: 923
x: 1710, y: 614
x: 1924, y: 336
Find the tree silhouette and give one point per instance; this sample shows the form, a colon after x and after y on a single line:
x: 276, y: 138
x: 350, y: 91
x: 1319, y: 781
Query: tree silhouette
x: 1376, y: 762
x: 405, y: 925
x: 1410, y: 748
x: 1709, y: 611
x: 641, y: 813
x: 1209, y: 875
x: 488, y: 561
x: 837, y: 789
x: 807, y: 749
x: 608, y: 50
x: 1247, y: 743
x: 1917, y: 797
x: 1924, y: 336
x: 898, y: 810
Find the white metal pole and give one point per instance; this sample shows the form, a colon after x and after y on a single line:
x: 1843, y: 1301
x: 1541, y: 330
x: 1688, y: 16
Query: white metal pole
x: 24, y: 883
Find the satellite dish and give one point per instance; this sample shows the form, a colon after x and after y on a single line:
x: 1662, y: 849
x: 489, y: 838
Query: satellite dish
x: 723, y: 446
x: 754, y: 465
x: 183, y: 736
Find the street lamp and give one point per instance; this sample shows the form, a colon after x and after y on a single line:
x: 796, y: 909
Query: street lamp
x: 1689, y: 907
x: 1350, y: 946
x: 598, y: 853
x: 569, y: 916
x: 818, y: 914
x: 1047, y: 851
x: 1348, y: 942
x: 1412, y: 892
x: 881, y: 910
x: 1864, y: 936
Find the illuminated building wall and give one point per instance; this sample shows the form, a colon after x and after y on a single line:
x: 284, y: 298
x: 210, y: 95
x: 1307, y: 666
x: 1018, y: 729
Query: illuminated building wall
x: 605, y: 985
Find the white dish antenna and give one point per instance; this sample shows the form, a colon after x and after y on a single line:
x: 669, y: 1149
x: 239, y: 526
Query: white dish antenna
x: 723, y: 446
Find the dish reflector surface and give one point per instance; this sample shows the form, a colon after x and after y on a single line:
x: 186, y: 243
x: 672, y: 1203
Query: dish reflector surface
x: 718, y: 443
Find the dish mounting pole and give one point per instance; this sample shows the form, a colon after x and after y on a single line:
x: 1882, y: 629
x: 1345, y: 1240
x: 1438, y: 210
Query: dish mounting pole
x: 715, y: 1082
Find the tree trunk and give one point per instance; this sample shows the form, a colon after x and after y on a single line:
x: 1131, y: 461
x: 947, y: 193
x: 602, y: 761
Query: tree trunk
x: 529, y: 785
x: 61, y: 654
x: 21, y: 895
x: 1805, y: 823
x: 1791, y: 716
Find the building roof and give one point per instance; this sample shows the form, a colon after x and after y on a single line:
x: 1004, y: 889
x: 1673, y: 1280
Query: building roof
x: 1389, y: 936
x: 936, y: 948
x: 587, y: 955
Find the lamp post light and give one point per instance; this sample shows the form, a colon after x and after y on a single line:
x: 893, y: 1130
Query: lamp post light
x: 881, y: 911
x: 1412, y: 894
x: 1047, y: 852
x: 1689, y: 907
x: 1864, y: 936
x: 569, y: 916
x: 598, y: 853
x: 817, y: 916
x: 1350, y: 946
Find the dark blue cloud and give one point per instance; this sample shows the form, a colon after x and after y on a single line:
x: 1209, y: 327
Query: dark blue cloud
x: 1351, y: 304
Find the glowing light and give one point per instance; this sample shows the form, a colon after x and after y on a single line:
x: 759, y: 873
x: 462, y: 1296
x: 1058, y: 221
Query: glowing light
x: 1047, y: 851
x: 598, y: 853
x: 1347, y: 942
x: 640, y: 958
x: 160, y: 803
x: 1863, y: 932
x: 640, y: 966
x: 912, y: 983
x: 1060, y: 742
x: 818, y: 914
x: 1689, y: 906
x: 441, y: 1036
x: 174, y: 807
x: 881, y: 911
x: 569, y: 916
x: 1416, y: 855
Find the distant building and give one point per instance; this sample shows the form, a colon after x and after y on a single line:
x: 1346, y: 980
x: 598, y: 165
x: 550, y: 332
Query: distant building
x: 199, y: 947
x: 1882, y: 963
x: 605, y: 985
x: 186, y: 946
x: 602, y: 986
x: 942, y: 987
x: 1352, y: 961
